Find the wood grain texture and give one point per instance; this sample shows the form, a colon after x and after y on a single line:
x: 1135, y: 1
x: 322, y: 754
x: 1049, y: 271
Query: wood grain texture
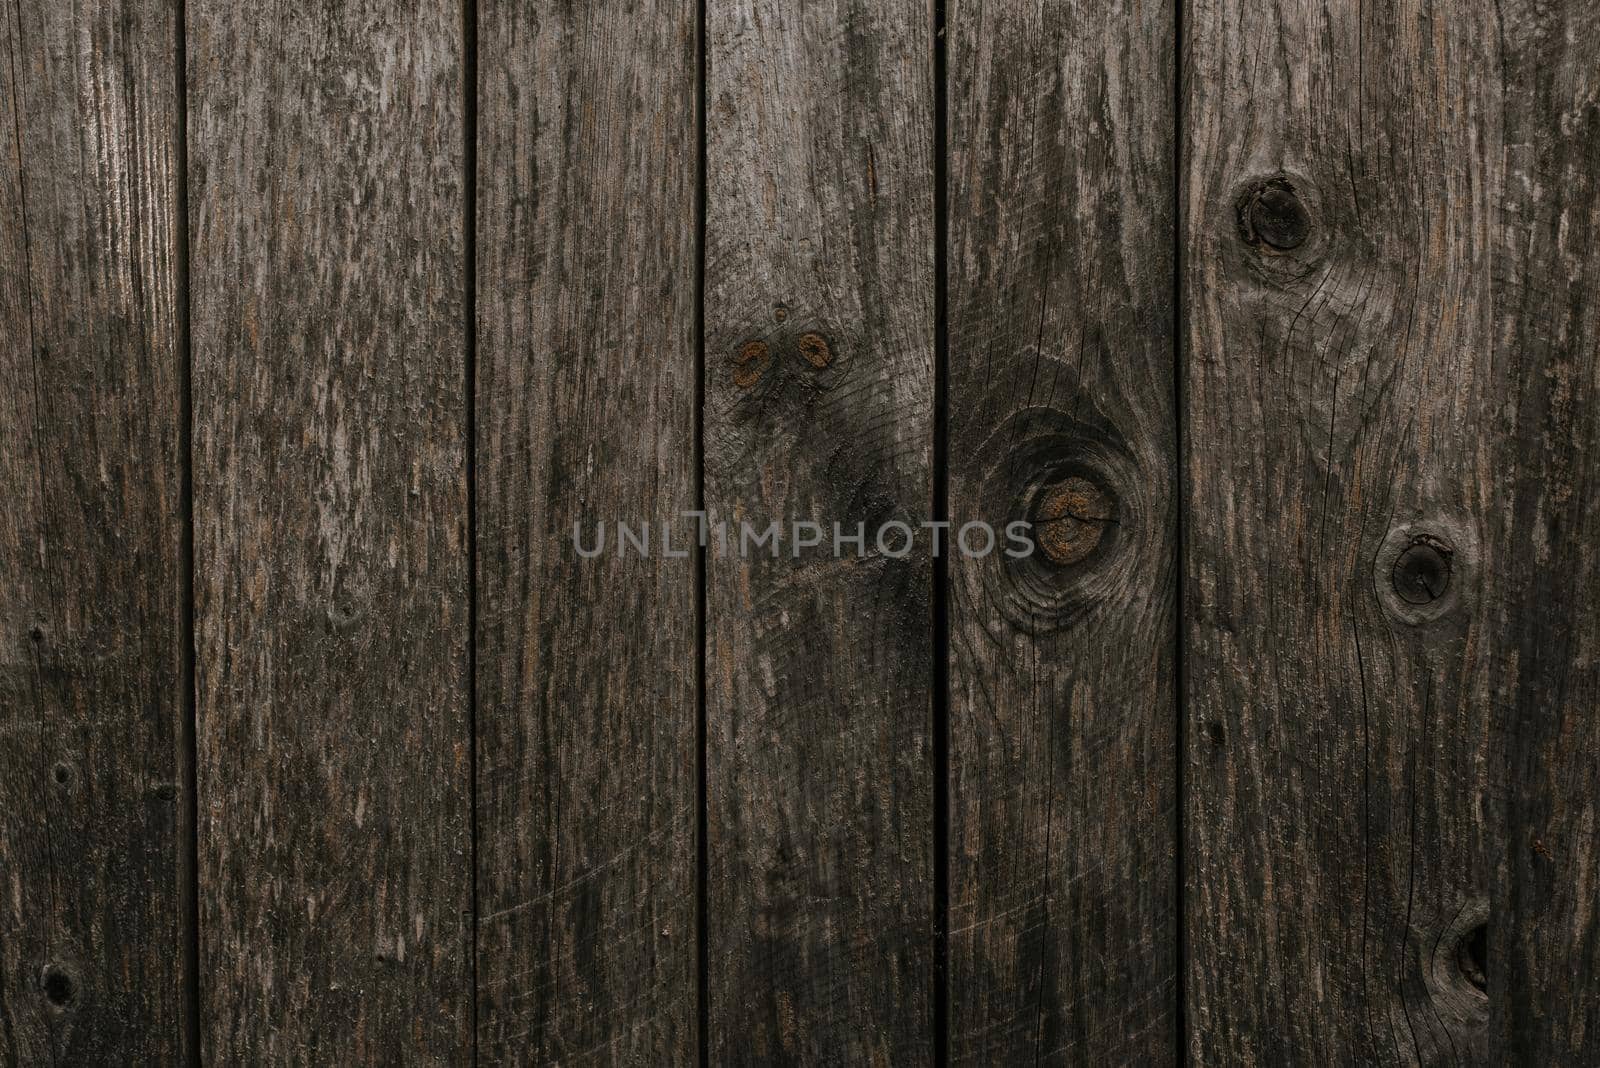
x: 819, y: 408
x: 587, y: 714
x: 1345, y: 395
x: 326, y: 195
x: 93, y: 857
x: 1544, y: 945
x: 1063, y: 826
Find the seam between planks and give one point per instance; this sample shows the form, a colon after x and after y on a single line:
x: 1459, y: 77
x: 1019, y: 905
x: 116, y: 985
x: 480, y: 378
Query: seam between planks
x: 941, y: 567
x: 469, y: 301
x: 702, y: 577
x: 190, y: 727
x: 1179, y: 613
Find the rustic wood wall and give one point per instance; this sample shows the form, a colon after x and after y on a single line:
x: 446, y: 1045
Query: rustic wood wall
x: 322, y: 325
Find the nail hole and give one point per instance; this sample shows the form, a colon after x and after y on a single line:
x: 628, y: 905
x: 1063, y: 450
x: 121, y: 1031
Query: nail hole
x: 1216, y: 732
x: 1422, y: 571
x: 58, y: 986
x: 1474, y: 957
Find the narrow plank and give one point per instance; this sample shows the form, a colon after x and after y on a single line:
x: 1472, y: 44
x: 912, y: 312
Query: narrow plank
x: 1063, y: 826
x: 331, y: 587
x: 1343, y: 187
x: 1544, y: 488
x: 93, y: 847
x: 587, y: 715
x: 819, y: 408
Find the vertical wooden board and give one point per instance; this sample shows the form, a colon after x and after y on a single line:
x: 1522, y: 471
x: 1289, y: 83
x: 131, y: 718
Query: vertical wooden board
x: 1342, y: 194
x: 93, y: 854
x: 326, y: 160
x: 1544, y: 944
x: 587, y: 714
x: 1063, y: 827
x: 819, y: 408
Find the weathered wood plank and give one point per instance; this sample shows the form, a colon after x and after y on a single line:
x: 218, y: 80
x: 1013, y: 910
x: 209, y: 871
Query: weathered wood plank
x: 1063, y: 827
x: 1542, y: 497
x: 93, y: 852
x: 819, y: 408
x: 587, y: 716
x: 331, y: 587
x: 1343, y: 190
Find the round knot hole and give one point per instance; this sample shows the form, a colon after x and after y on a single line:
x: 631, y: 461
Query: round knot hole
x: 58, y: 985
x: 1070, y: 520
x: 749, y: 363
x: 814, y: 348
x: 1473, y: 957
x: 63, y: 774
x: 1274, y: 216
x: 1421, y: 572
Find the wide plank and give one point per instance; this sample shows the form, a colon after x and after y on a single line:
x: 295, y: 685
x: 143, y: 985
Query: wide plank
x: 327, y: 147
x: 586, y: 386
x: 1343, y: 190
x: 1063, y: 722
x: 1541, y: 495
x: 819, y: 375
x: 94, y: 851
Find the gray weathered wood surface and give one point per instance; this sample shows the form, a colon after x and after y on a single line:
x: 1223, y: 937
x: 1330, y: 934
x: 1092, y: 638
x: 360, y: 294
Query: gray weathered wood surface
x: 587, y: 719
x: 1339, y: 385
x: 321, y: 326
x: 94, y: 854
x: 1388, y: 457
x: 330, y: 511
x: 1063, y: 827
x: 1540, y: 495
x: 819, y: 407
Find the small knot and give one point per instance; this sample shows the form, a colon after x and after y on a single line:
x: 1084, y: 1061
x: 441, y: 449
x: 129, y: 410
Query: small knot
x: 748, y: 365
x: 1421, y: 573
x: 58, y: 985
x: 1274, y: 216
x: 63, y: 774
x: 814, y: 348
x: 1473, y: 957
x: 1071, y: 519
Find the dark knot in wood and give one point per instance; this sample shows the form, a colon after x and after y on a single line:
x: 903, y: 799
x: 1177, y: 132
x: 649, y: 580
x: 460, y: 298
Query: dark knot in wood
x: 1421, y: 573
x: 1070, y: 520
x: 814, y: 349
x: 1473, y: 957
x: 749, y: 363
x: 58, y: 986
x: 1276, y: 217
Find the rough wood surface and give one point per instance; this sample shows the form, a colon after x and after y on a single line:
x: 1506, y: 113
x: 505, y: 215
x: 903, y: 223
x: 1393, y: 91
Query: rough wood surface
x: 587, y: 718
x: 1541, y: 497
x: 331, y: 586
x: 1343, y: 192
x: 1063, y: 828
x: 93, y: 858
x: 819, y: 408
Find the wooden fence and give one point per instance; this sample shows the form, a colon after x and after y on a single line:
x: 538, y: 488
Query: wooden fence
x: 323, y: 324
